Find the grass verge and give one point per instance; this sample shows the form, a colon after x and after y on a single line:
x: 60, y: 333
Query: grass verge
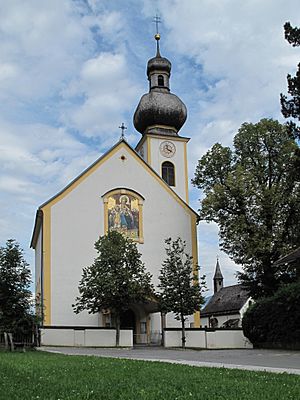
x: 46, y: 376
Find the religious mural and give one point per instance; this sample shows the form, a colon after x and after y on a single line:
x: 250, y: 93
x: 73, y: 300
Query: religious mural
x: 123, y: 214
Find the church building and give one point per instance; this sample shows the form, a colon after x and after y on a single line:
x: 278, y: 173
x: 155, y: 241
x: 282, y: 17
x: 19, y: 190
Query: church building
x: 226, y: 307
x: 141, y: 192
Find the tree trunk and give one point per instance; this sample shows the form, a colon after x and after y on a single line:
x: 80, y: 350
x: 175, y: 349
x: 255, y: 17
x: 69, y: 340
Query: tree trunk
x: 183, y: 332
x: 163, y: 325
x: 117, y: 330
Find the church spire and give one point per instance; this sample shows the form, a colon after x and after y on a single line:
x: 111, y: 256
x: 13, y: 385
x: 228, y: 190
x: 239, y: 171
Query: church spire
x: 218, y: 278
x: 157, y: 35
x: 159, y: 111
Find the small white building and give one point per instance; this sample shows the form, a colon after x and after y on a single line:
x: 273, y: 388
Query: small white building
x: 227, y: 306
x: 141, y: 192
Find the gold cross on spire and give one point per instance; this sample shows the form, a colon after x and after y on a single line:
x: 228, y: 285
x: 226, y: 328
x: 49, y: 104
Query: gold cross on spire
x: 157, y: 21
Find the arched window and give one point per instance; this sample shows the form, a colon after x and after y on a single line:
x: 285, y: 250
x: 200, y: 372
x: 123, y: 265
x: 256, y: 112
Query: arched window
x: 168, y: 173
x: 160, y: 80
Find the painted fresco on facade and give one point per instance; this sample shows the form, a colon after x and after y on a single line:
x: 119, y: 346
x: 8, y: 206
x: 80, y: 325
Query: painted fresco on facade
x: 123, y: 215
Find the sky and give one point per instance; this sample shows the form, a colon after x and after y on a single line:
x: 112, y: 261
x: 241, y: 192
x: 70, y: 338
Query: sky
x: 72, y: 71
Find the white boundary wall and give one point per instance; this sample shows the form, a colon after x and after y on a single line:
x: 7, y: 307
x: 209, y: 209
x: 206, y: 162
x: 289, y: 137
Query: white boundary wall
x: 85, y: 337
x: 208, y: 339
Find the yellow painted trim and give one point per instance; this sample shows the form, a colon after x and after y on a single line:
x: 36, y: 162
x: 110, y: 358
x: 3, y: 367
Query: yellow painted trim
x: 168, y: 160
x: 140, y: 143
x: 195, y: 261
x: 47, y: 264
x: 148, y: 150
x: 85, y: 175
x: 141, y: 227
x: 168, y: 137
x: 141, y: 201
x: 186, y: 173
x: 38, y: 308
x: 160, y: 136
x: 105, y: 216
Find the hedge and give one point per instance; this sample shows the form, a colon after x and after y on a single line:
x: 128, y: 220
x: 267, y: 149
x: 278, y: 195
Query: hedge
x: 275, y: 321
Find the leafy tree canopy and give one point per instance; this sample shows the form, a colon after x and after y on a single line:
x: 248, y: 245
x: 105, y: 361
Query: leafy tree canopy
x: 290, y: 108
x: 179, y: 285
x: 15, y: 296
x: 292, y: 35
x: 253, y: 193
x: 116, y: 279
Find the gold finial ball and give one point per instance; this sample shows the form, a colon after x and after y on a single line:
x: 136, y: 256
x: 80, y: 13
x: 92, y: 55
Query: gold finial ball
x: 157, y: 36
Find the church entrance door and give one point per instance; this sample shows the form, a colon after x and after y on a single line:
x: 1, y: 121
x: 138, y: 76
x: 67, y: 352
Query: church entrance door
x: 128, y: 320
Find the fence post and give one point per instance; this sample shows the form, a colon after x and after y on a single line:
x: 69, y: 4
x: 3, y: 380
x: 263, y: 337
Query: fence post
x: 10, y: 337
x: 163, y: 325
x: 5, y: 340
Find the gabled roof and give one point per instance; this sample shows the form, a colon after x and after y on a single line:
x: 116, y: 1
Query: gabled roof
x: 93, y: 167
x: 228, y: 300
x: 290, y: 258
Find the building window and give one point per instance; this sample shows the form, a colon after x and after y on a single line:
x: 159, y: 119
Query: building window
x: 160, y: 80
x: 213, y: 322
x: 168, y: 173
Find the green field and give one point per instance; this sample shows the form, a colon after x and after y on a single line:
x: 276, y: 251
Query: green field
x: 37, y: 375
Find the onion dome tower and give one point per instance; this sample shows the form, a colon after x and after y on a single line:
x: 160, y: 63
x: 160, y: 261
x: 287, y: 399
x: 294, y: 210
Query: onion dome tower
x: 159, y: 111
x: 159, y: 116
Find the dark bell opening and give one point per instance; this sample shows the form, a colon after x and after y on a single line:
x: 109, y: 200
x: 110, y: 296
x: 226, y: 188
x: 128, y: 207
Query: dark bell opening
x: 168, y: 173
x: 160, y: 80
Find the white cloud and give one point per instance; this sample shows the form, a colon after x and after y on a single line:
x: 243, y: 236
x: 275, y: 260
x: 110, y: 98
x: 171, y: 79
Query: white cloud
x: 108, y: 89
x: 41, y: 45
x: 242, y: 56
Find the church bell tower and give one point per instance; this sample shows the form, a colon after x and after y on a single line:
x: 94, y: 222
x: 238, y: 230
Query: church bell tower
x: 159, y: 116
x: 218, y: 278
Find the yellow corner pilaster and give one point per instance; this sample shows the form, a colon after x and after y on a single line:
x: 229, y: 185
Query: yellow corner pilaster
x: 186, y: 173
x: 105, y: 216
x: 47, y: 265
x: 148, y: 150
x: 141, y: 232
x: 195, y: 261
x: 197, y: 319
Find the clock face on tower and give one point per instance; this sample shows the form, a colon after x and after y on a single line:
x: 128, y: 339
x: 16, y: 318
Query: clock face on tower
x: 167, y: 149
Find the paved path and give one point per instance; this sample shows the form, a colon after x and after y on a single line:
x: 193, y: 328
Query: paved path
x: 258, y: 360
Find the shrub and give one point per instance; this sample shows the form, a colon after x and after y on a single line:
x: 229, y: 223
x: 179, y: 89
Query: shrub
x: 275, y: 321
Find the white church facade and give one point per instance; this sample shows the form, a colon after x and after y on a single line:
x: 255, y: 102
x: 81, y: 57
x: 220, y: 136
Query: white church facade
x: 141, y: 192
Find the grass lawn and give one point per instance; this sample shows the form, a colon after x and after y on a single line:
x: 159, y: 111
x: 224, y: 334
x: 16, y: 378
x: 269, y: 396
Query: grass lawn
x: 37, y: 375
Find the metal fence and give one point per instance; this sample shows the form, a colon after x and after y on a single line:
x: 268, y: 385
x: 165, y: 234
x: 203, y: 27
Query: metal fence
x: 11, y: 341
x: 153, y: 338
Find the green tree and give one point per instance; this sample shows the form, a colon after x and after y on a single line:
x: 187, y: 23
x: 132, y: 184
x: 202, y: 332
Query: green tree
x: 116, y: 279
x: 291, y: 107
x: 179, y: 285
x: 15, y: 297
x: 275, y: 320
x: 253, y: 193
